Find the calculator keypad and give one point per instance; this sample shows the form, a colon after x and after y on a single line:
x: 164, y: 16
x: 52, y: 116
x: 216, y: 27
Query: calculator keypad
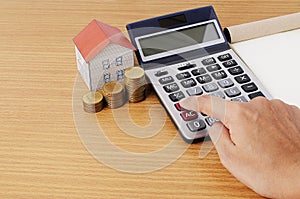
x: 222, y: 76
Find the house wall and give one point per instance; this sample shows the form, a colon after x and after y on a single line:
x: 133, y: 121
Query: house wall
x: 83, y: 68
x: 114, y: 70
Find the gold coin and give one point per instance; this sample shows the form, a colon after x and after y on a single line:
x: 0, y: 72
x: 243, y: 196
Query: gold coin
x: 137, y: 99
x: 92, y: 98
x: 112, y: 88
x: 134, y: 73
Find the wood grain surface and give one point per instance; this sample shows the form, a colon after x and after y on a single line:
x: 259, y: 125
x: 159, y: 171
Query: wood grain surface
x: 42, y: 155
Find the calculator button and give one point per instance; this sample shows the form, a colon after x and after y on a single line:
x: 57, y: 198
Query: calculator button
x: 249, y: 87
x: 161, y: 73
x: 203, y: 114
x: 188, y: 83
x: 184, y: 75
x: 219, y: 94
x: 210, y: 121
x: 199, y: 71
x: 210, y: 87
x: 239, y: 99
x: 254, y: 95
x: 204, y: 79
x: 242, y: 79
x: 225, y: 83
x: 229, y: 63
x: 194, y: 91
x: 232, y: 92
x: 208, y: 61
x: 189, y: 115
x: 179, y: 107
x: 166, y: 80
x: 188, y: 66
x: 175, y: 97
x: 235, y: 70
x: 213, y: 67
x: 219, y: 75
x: 196, y: 125
x: 225, y: 57
x: 171, y: 88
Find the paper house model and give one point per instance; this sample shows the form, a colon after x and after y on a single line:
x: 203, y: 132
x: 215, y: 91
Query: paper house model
x: 102, y: 53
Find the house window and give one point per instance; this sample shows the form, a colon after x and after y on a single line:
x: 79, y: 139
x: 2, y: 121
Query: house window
x: 119, y: 61
x: 107, y: 77
x: 105, y: 64
x: 120, y: 74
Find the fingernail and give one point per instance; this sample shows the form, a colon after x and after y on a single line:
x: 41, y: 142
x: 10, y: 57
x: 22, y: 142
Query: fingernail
x: 189, y: 103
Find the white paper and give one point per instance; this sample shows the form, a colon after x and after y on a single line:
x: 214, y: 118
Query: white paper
x: 275, y: 60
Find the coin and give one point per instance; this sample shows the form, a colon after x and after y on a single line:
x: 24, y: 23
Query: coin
x: 112, y: 88
x: 135, y: 81
x: 134, y: 73
x: 114, y: 94
x: 93, y: 102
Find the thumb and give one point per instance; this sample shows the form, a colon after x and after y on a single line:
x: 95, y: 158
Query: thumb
x: 220, y: 136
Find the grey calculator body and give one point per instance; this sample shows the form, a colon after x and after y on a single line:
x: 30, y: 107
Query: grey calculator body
x: 185, y: 54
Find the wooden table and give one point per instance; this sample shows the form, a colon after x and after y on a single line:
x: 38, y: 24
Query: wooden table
x: 41, y: 153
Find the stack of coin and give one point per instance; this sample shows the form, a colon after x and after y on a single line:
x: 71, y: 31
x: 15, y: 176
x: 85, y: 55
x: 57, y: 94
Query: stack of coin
x: 93, y: 102
x: 114, y: 93
x: 135, y: 83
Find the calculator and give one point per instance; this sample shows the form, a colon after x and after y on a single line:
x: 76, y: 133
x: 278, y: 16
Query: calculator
x: 186, y: 54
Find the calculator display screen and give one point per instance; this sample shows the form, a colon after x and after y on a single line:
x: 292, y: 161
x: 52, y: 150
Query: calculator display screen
x: 169, y: 41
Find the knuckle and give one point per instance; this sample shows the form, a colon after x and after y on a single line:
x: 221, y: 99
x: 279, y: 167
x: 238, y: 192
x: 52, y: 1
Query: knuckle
x: 278, y: 102
x: 261, y: 100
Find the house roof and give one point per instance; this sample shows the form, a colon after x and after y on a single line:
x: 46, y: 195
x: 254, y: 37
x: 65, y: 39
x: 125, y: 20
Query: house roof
x: 96, y: 36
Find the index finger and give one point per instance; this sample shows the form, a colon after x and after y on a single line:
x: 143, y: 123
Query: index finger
x: 213, y: 106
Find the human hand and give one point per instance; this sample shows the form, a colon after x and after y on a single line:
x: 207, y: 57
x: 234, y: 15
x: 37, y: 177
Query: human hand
x: 257, y: 141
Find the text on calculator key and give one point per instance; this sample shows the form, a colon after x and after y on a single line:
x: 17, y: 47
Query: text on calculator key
x: 166, y: 80
x: 204, y: 79
x: 219, y: 75
x: 214, y: 67
x: 229, y: 63
x: 242, y: 79
x: 171, y: 88
x: 196, y: 125
x: 175, y: 97
x: 199, y: 71
x: 208, y: 61
x: 232, y: 92
x: 194, y: 91
x: 235, y: 70
x: 249, y: 87
x: 210, y: 87
x: 183, y: 75
x: 225, y: 83
x: 189, y: 115
x: 224, y: 57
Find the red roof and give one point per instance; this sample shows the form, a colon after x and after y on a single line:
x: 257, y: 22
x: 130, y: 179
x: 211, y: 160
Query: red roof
x: 96, y: 36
